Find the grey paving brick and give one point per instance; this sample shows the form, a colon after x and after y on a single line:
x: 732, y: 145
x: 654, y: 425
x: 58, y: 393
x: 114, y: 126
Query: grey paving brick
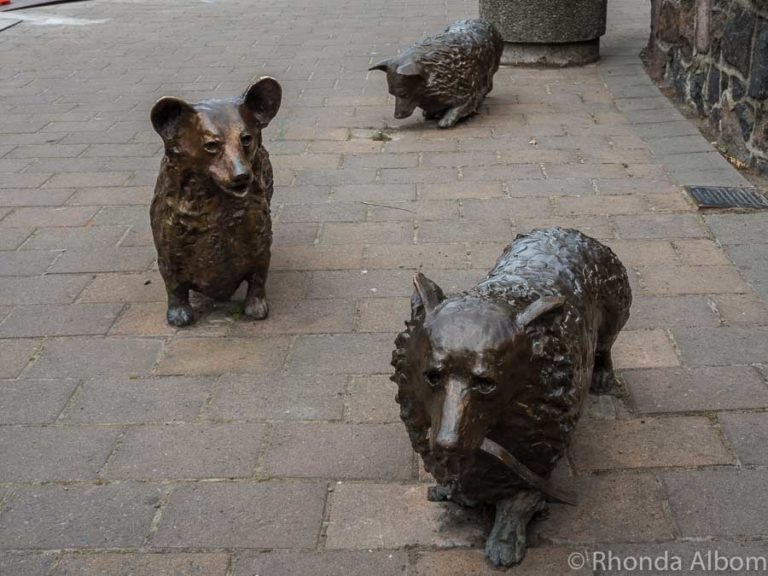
x: 748, y: 434
x: 696, y: 389
x: 726, y: 502
x: 38, y: 454
x: 203, y: 356
x: 87, y: 357
x: 144, y: 564
x: 660, y: 226
x: 108, y: 259
x: 243, y: 515
x: 187, y: 451
x: 372, y: 399
x: 124, y: 400
x: 341, y: 354
x: 671, y: 311
x: 12, y: 238
x: 69, y: 320
x: 15, y: 355
x: 371, y: 451
x: 548, y: 561
x: 33, y: 401
x: 27, y: 564
x: 66, y: 238
x: 334, y: 563
x: 26, y: 263
x: 285, y: 397
x: 79, y: 516
x: 722, y: 346
x: 40, y: 216
x: 739, y: 228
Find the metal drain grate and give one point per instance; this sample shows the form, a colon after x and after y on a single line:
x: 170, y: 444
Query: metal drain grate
x: 726, y: 197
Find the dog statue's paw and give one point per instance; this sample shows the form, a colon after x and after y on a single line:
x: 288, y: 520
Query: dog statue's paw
x: 180, y: 315
x: 258, y: 309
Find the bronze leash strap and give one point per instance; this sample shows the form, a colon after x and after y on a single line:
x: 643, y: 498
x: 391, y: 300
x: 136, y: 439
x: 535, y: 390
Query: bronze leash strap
x: 542, y: 484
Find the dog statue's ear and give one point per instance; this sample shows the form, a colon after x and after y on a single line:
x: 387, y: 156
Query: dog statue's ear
x: 167, y: 115
x: 538, y: 308
x: 383, y: 65
x: 409, y: 68
x: 426, y: 296
x: 261, y: 101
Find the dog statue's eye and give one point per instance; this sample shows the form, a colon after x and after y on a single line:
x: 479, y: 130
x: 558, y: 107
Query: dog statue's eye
x: 247, y: 140
x: 483, y: 385
x: 212, y: 147
x: 433, y: 378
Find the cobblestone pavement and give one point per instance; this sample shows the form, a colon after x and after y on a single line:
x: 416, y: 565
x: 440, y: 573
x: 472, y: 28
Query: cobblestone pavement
x: 274, y: 448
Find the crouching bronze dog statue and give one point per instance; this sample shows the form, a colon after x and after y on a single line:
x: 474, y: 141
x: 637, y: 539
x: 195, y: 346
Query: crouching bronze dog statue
x: 447, y: 76
x: 491, y: 381
x: 210, y: 212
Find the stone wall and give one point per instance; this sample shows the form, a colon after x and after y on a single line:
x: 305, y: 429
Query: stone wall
x: 715, y: 54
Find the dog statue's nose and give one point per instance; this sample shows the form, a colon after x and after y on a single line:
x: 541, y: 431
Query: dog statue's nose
x: 241, y: 179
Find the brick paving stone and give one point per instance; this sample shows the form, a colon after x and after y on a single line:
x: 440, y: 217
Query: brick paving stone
x: 12, y: 238
x: 187, y: 451
x: 371, y: 452
x: 383, y: 314
x: 372, y: 516
x: 243, y: 515
x: 359, y: 284
x: 722, y: 346
x: 26, y: 263
x: 660, y: 226
x: 671, y: 311
x: 644, y: 443
x: 15, y: 355
x: 301, y: 234
x: 644, y: 252
x: 739, y: 228
x: 691, y: 280
x: 110, y: 259
x: 741, y: 309
x: 39, y: 454
x: 41, y: 289
x: 201, y: 356
x: 121, y: 216
x: 374, y: 192
x: 34, y: 564
x: 442, y: 231
x: 643, y: 349
x: 315, y: 258
x: 78, y: 516
x: 448, y: 256
x: 143, y: 320
x: 320, y: 316
x: 748, y: 434
x: 125, y: 400
x: 84, y: 357
x: 353, y: 233
x: 701, y: 253
x: 696, y: 390
x: 33, y: 401
x: 517, y: 208
x: 538, y: 562
x: 614, y: 508
x: 289, y: 397
x: 40, y: 216
x: 332, y: 563
x: 600, y: 205
x: 420, y: 210
x: 372, y: 399
x: 82, y: 237
x: 341, y: 354
x: 460, y: 190
x: 336, y: 212
x: 144, y: 564
x: 70, y: 320
x: 143, y: 287
x: 723, y: 502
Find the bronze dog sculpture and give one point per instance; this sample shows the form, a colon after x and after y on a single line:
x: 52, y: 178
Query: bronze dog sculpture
x: 491, y: 381
x: 210, y: 212
x: 447, y: 76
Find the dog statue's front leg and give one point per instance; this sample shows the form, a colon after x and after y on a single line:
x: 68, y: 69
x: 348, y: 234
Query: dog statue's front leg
x: 256, y: 306
x: 507, y: 542
x: 179, y: 310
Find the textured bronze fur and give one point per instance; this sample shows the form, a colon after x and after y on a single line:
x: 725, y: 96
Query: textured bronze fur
x: 511, y: 359
x: 210, y: 212
x: 448, y: 75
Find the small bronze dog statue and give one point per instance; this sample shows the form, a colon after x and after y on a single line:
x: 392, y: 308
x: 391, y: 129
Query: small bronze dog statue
x: 491, y: 381
x: 210, y: 212
x: 447, y: 76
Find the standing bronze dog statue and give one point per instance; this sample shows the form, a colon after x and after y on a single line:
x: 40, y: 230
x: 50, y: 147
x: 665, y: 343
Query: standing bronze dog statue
x: 447, y: 76
x: 210, y: 212
x: 491, y: 382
